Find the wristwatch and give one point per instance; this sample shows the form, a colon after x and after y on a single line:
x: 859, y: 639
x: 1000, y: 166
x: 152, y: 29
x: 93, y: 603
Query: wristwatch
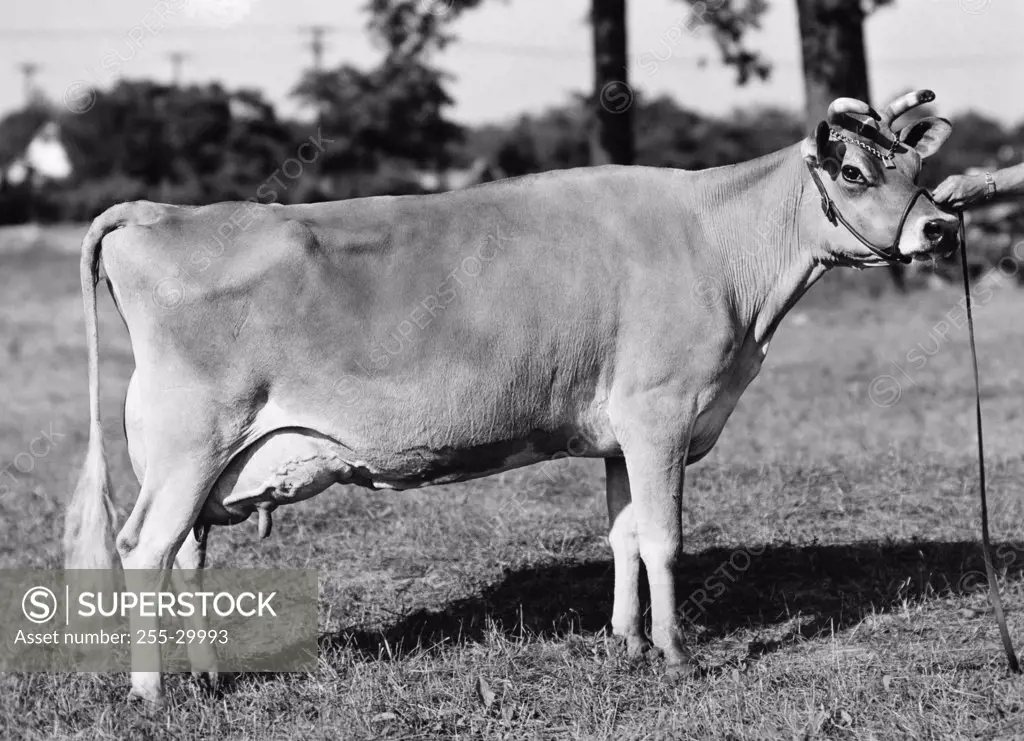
x: 990, y: 186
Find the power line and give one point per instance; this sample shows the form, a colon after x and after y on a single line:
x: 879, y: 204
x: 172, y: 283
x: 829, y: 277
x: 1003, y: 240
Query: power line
x: 318, y: 33
x: 46, y: 34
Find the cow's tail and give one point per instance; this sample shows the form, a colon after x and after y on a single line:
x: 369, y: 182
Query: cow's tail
x: 90, y: 518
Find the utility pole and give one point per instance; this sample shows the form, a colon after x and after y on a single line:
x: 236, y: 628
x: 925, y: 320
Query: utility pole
x: 177, y: 62
x: 316, y: 46
x: 28, y: 71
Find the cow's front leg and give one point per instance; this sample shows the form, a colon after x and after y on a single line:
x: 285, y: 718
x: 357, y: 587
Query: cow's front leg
x: 626, y: 552
x: 654, y: 437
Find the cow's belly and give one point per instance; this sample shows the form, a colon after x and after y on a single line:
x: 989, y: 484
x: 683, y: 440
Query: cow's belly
x: 290, y: 465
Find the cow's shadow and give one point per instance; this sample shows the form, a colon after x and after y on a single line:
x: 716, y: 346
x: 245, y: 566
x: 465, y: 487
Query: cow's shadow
x: 720, y: 590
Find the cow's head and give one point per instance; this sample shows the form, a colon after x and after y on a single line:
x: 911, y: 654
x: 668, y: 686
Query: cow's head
x: 869, y: 170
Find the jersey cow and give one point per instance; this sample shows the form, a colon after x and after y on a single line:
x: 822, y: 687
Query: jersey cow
x: 398, y: 342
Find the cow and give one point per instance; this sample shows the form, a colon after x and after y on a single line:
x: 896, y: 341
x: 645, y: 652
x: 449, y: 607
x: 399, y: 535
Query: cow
x: 399, y: 342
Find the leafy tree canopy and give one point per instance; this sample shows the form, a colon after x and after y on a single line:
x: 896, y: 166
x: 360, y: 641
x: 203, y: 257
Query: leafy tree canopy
x: 203, y: 136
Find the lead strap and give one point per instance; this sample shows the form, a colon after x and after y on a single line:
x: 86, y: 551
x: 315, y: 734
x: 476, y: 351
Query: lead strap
x: 986, y: 545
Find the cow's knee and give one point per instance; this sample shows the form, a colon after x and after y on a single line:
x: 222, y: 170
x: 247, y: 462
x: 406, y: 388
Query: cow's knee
x: 659, y: 551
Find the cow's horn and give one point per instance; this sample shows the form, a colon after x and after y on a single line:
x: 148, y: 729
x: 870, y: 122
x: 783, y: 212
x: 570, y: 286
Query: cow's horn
x: 840, y: 106
x: 904, y: 103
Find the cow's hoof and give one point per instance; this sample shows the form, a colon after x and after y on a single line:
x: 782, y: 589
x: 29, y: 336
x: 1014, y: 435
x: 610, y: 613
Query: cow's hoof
x: 147, y: 700
x: 682, y: 671
x: 636, y: 647
x: 212, y: 682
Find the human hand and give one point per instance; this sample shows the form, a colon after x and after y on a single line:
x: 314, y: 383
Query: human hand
x: 960, y: 191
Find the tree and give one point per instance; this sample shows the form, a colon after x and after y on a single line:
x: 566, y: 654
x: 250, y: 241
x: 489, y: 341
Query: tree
x: 181, y: 144
x: 392, y: 116
x: 832, y: 48
x: 831, y: 45
x: 613, y: 139
x: 416, y: 27
x: 412, y: 28
x: 393, y: 112
x: 728, y: 22
x: 666, y: 135
x: 557, y: 139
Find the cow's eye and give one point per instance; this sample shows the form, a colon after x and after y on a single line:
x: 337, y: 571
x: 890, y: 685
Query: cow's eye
x: 852, y: 174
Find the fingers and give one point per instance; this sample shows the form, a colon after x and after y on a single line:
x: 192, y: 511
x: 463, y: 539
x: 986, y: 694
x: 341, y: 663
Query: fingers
x: 949, y: 189
x: 960, y: 191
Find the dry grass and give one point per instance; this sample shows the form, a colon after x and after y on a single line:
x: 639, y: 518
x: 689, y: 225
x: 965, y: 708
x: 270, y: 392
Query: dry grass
x: 843, y: 530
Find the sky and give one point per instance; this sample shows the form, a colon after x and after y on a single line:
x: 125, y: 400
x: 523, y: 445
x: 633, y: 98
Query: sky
x: 512, y: 56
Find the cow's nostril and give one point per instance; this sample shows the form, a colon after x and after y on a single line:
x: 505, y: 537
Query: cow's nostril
x: 934, y: 231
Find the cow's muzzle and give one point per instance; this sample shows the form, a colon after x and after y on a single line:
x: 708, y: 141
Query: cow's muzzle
x: 941, y: 236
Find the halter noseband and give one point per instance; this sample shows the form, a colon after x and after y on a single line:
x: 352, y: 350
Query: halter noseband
x: 890, y: 253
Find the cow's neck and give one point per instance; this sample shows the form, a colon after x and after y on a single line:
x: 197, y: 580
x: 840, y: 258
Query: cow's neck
x: 767, y: 252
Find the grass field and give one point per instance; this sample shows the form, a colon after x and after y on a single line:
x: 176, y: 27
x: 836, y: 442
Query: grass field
x: 845, y: 529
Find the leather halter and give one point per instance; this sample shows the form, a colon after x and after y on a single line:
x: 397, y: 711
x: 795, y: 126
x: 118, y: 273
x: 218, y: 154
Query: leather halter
x: 890, y: 253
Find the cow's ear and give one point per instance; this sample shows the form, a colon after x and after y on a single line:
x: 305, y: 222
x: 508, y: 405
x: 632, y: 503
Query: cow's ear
x: 927, y: 135
x: 818, y: 150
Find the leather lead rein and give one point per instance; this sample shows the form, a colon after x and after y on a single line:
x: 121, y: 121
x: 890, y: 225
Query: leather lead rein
x: 986, y: 545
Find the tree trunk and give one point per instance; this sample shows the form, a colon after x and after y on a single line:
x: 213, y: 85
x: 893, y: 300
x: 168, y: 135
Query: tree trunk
x: 832, y: 46
x: 611, y: 141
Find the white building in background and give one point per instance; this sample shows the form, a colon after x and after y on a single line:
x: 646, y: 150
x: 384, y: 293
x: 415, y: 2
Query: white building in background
x: 45, y: 158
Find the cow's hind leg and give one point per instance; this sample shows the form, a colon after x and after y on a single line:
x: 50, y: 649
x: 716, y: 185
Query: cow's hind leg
x: 162, y: 519
x: 187, y: 576
x: 626, y: 618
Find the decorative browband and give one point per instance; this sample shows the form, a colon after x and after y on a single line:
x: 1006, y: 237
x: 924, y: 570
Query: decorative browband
x: 888, y: 157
